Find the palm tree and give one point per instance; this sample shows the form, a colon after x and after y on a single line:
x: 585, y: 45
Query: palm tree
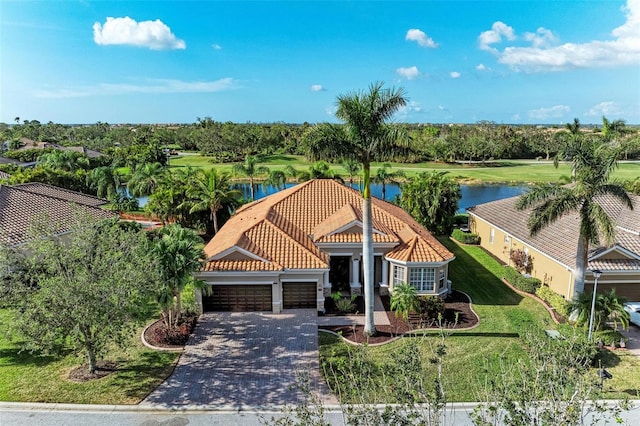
x: 593, y: 163
x: 145, y: 179
x: 106, y: 180
x: 404, y: 300
x: 69, y: 161
x: 277, y: 179
x: 250, y: 169
x: 179, y: 253
x: 352, y: 168
x: 365, y: 136
x: 612, y: 308
x: 608, y: 307
x: 384, y: 176
x: 211, y: 193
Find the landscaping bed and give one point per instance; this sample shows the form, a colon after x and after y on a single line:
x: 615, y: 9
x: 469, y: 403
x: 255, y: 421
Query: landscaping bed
x: 456, y: 303
x: 158, y: 336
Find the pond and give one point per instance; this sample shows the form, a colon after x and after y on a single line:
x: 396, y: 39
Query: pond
x: 471, y: 194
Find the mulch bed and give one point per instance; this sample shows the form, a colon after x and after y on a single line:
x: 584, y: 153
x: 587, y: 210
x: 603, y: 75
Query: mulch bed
x: 456, y: 303
x: 153, y: 333
x: 81, y: 374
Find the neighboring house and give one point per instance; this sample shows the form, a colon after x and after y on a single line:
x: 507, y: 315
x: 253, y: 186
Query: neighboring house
x: 502, y: 228
x: 21, y: 205
x: 29, y: 144
x: 298, y: 246
x: 4, y: 160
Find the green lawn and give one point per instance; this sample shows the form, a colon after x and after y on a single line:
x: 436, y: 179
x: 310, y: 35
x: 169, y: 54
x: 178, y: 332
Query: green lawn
x: 32, y: 378
x: 475, y: 354
x: 502, y: 171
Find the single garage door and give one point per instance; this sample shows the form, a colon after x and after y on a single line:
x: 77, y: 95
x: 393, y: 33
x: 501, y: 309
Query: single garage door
x: 629, y: 290
x: 299, y: 295
x: 238, y: 298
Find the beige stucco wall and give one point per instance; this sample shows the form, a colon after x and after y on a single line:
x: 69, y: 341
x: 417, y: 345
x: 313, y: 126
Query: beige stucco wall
x: 555, y: 275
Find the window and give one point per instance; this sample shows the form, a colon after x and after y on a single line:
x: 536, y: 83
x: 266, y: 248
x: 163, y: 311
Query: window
x: 422, y: 279
x: 492, y: 234
x: 398, y: 275
x: 441, y: 281
x: 507, y: 239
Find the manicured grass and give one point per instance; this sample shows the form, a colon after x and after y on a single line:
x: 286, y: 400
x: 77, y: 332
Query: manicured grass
x: 30, y: 377
x: 501, y: 171
x: 474, y: 355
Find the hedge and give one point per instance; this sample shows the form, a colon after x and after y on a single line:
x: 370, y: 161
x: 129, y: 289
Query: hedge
x: 554, y: 299
x: 465, y: 237
x: 519, y: 281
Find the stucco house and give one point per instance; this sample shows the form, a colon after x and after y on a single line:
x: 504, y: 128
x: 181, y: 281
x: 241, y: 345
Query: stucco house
x: 298, y: 246
x: 502, y: 228
x: 21, y: 205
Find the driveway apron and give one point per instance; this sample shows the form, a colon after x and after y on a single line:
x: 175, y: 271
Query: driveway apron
x: 246, y: 359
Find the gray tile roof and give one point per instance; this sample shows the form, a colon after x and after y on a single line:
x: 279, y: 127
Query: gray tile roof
x: 21, y: 205
x: 4, y: 175
x: 559, y: 241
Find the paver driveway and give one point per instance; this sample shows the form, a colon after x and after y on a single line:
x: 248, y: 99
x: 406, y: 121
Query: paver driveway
x: 247, y: 359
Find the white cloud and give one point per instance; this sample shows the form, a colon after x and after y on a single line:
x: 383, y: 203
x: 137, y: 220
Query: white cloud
x: 331, y: 110
x: 541, y: 38
x: 608, y: 108
x: 409, y: 108
x: 216, y: 47
x: 409, y: 73
x: 154, y: 35
x: 420, y: 37
x: 556, y: 111
x: 151, y: 86
x: 495, y: 34
x: 443, y: 108
x: 454, y: 74
x: 482, y: 67
x: 541, y: 56
x: 317, y: 88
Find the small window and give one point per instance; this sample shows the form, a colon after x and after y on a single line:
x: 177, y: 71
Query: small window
x: 422, y: 279
x: 441, y: 280
x: 398, y: 275
x: 492, y: 235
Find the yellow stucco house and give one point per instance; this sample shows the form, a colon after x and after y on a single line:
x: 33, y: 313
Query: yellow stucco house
x: 502, y: 228
x: 296, y: 247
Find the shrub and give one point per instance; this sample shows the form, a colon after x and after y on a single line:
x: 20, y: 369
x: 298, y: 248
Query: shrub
x: 522, y: 261
x: 404, y: 300
x: 178, y: 335
x: 431, y: 307
x: 461, y: 219
x: 465, y: 237
x: 519, y: 281
x: 345, y: 304
x: 556, y: 301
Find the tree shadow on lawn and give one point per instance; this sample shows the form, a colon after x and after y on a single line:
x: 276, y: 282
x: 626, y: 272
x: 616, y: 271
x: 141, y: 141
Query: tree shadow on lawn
x: 476, y: 280
x: 142, y: 376
x: 22, y: 357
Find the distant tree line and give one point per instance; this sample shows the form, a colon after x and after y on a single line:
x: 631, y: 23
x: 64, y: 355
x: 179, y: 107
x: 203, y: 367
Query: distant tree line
x: 231, y: 142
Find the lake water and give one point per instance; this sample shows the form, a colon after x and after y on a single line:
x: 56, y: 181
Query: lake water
x: 471, y: 194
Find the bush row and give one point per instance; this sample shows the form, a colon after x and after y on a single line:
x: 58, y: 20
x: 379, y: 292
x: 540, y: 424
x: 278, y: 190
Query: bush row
x: 465, y: 237
x: 519, y: 281
x: 556, y: 301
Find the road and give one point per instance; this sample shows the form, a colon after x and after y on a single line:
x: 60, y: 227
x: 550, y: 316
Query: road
x: 17, y: 414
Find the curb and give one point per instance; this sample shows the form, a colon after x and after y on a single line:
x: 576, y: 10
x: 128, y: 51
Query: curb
x: 156, y: 348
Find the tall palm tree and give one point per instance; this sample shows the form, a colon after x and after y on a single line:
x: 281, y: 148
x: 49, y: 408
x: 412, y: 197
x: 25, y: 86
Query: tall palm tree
x: 384, y: 176
x: 145, y: 179
x: 211, y: 193
x: 352, y: 168
x: 366, y: 137
x: 106, y: 181
x: 250, y: 169
x: 179, y: 253
x: 277, y: 179
x: 593, y: 163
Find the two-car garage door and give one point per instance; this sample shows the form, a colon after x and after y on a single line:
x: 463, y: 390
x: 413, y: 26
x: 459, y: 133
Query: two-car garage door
x: 244, y: 298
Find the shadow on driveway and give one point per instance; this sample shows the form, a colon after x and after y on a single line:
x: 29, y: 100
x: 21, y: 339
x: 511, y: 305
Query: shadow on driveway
x: 247, y: 359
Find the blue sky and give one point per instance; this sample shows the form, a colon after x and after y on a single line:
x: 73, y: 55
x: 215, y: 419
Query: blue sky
x: 460, y: 61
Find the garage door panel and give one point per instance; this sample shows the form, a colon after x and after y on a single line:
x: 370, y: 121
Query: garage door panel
x: 238, y: 298
x: 299, y: 295
x: 629, y: 290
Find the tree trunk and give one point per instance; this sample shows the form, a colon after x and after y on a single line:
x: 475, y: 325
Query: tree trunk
x: 384, y: 191
x: 178, y: 308
x: 92, y: 360
x: 581, y: 265
x: 214, y: 216
x: 367, y: 250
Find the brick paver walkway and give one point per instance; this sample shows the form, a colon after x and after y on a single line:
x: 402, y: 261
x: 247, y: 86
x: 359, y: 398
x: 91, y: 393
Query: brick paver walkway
x: 248, y: 359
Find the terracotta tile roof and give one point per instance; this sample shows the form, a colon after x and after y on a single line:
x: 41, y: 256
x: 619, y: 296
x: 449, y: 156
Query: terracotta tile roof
x: 615, y: 264
x: 560, y: 240
x: 20, y: 205
x: 285, y: 227
x: 63, y: 194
